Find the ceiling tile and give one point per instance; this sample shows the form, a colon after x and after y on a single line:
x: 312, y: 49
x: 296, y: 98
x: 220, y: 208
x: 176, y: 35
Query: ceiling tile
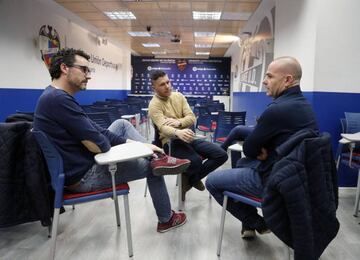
x: 65, y: 1
x: 174, y: 16
x: 218, y: 52
x: 103, y: 23
x: 240, y: 7
x: 92, y: 16
x: 177, y: 15
x: 208, y: 6
x: 178, y: 6
x: 79, y: 7
x: 225, y: 38
x: 110, y: 6
x: 143, y: 6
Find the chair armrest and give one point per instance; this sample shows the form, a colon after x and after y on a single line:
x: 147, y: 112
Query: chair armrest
x: 127, y: 116
x: 123, y: 152
x: 236, y: 147
x: 199, y: 137
x: 344, y: 141
x: 352, y: 137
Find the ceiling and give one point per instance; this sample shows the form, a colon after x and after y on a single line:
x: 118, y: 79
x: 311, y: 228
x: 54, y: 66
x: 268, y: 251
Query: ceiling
x: 168, y: 19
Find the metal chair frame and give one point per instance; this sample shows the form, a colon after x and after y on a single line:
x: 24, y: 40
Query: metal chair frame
x: 55, y: 165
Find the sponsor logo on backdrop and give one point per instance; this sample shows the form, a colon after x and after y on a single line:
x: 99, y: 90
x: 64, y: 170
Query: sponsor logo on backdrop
x: 49, y: 43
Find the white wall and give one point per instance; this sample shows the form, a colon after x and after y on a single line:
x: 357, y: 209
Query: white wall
x: 338, y: 46
x: 295, y: 35
x: 324, y: 35
x: 20, y: 21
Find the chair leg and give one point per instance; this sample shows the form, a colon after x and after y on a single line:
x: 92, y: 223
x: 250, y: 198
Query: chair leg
x: 357, y: 200
x: 128, y: 225
x: 54, y: 228
x: 49, y: 230
x: 146, y: 186
x: 180, y: 202
x: 177, y: 180
x: 222, y: 223
x: 112, y: 170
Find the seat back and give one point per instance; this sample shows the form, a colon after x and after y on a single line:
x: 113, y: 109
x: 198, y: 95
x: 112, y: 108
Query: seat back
x: 112, y: 111
x: 203, y: 121
x: 226, y: 122
x: 352, y: 122
x: 54, y: 164
x: 100, y: 118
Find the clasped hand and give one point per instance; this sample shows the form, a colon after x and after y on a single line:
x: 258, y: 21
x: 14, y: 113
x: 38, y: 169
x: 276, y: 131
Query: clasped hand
x: 186, y: 135
x: 172, y: 122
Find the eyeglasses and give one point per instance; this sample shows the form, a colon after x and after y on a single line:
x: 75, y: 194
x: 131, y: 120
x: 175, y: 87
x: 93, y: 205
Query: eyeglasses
x: 84, y: 69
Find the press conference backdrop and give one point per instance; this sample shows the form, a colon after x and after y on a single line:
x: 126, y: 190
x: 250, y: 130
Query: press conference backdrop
x: 188, y: 76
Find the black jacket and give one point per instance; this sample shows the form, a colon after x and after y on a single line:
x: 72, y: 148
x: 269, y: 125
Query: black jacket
x: 301, y: 194
x: 24, y: 181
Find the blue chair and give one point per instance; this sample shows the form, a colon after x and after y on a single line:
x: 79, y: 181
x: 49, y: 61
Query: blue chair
x: 247, y: 199
x: 113, y: 112
x: 101, y: 118
x: 203, y: 121
x: 55, y: 166
x: 348, y: 152
x: 226, y: 122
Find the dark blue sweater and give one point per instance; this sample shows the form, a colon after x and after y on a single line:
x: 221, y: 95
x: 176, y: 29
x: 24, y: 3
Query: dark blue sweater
x: 63, y: 120
x: 286, y: 115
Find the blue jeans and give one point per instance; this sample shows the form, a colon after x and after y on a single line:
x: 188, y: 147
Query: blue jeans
x: 205, y: 157
x: 240, y: 181
x: 98, y: 176
x: 238, y: 133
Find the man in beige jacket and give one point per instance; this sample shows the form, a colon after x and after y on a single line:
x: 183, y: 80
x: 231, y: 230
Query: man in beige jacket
x: 173, y: 118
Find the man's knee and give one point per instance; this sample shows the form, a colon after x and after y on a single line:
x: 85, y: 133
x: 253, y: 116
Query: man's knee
x: 210, y: 182
x: 223, y: 156
x: 118, y: 124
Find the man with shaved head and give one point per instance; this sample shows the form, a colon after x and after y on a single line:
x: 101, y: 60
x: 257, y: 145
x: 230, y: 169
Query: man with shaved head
x: 287, y: 114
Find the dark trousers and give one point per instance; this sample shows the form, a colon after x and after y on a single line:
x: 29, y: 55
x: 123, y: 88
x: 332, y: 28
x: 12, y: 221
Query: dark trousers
x: 205, y: 157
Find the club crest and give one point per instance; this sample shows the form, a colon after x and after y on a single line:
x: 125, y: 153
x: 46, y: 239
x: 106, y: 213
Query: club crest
x: 181, y: 64
x: 49, y: 43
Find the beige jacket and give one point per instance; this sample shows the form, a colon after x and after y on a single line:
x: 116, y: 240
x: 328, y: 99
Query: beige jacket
x: 175, y: 106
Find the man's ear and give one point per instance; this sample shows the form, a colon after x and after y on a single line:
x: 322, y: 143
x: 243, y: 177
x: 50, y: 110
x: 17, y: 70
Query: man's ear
x: 289, y: 79
x: 64, y: 69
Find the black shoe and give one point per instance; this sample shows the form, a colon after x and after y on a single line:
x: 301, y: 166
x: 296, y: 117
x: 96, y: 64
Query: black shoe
x: 199, y: 186
x: 261, y: 227
x: 247, y: 233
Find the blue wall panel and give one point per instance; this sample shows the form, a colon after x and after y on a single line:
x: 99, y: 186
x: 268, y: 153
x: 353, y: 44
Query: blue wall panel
x: 25, y: 99
x: 254, y: 103
x: 329, y: 108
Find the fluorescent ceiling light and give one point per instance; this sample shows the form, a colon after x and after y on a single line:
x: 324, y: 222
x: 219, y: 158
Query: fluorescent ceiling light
x: 202, y: 45
x: 202, y: 53
x: 204, y: 34
x: 140, y: 34
x: 206, y: 15
x: 120, y: 15
x: 151, y: 45
x: 158, y: 52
